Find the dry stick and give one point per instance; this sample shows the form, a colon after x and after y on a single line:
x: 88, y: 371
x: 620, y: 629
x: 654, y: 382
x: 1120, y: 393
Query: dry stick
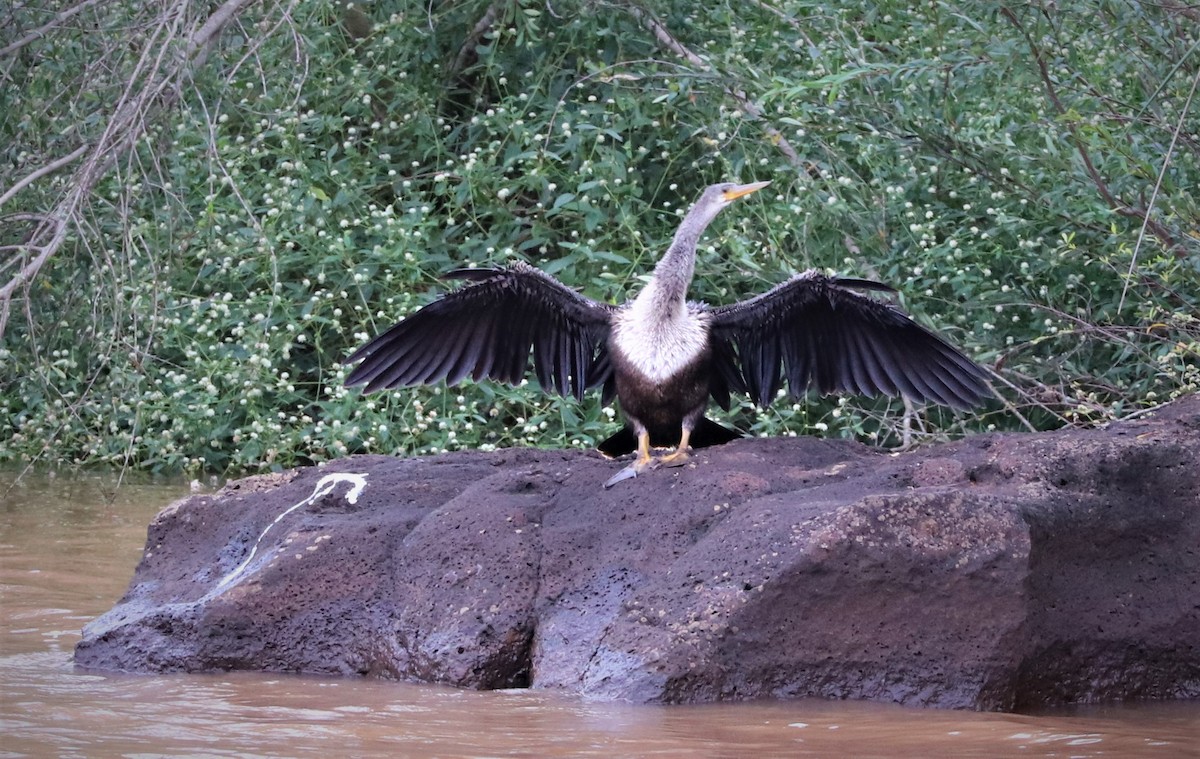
x: 203, y: 39
x: 41, y: 30
x: 1157, y: 185
x: 255, y: 43
x: 605, y: 74
x: 1159, y: 230
x: 47, y: 169
x: 29, y: 270
x: 790, y: 21
x: 1032, y: 400
x: 123, y: 129
x: 126, y: 126
x: 85, y: 178
x: 486, y: 22
x: 668, y: 40
x: 1187, y: 11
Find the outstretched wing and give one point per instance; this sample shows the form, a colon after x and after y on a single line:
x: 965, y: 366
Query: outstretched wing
x: 814, y: 330
x: 487, y: 329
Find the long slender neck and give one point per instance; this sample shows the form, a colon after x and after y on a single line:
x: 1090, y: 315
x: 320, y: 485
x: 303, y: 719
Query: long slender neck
x: 675, y: 269
x: 666, y: 294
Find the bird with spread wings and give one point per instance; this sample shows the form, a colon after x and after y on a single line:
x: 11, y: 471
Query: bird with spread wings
x: 664, y: 358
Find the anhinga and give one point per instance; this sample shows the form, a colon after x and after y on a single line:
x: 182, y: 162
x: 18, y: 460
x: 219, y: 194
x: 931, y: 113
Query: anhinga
x: 664, y: 357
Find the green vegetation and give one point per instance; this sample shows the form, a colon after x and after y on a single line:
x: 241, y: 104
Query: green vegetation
x: 226, y: 216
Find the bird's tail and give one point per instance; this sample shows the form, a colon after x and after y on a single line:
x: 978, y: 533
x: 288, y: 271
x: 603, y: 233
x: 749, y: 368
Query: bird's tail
x: 706, y: 433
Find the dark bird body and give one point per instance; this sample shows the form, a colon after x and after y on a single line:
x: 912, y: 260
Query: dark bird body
x: 663, y: 357
x: 664, y: 408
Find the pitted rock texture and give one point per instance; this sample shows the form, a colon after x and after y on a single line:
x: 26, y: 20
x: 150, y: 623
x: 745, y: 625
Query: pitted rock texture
x: 1004, y: 571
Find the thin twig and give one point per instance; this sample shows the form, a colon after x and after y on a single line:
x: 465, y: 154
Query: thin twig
x: 47, y: 169
x: 23, y: 216
x: 148, y: 85
x: 30, y: 270
x: 1188, y: 11
x: 604, y: 74
x: 486, y: 22
x: 785, y: 18
x: 1160, y: 231
x: 203, y: 38
x: 670, y: 42
x: 46, y: 27
x: 1157, y: 185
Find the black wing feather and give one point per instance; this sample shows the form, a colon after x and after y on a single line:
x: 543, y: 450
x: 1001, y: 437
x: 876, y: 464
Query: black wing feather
x: 856, y: 375
x: 874, y: 366
x: 543, y: 364
x: 562, y: 360
x: 454, y: 364
x: 724, y: 379
x: 797, y: 360
x: 815, y: 331
x: 487, y: 350
x: 488, y: 329
x: 583, y: 359
x: 514, y: 347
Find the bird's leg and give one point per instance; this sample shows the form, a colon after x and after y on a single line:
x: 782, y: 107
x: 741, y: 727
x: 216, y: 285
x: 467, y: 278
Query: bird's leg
x: 680, y: 455
x: 639, y: 465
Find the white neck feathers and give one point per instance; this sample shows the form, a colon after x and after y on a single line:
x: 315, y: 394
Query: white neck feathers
x: 658, y: 335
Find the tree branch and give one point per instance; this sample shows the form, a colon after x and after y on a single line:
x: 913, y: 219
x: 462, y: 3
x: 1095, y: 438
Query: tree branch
x: 152, y: 84
x: 47, y: 169
x: 202, y: 39
x: 485, y: 22
x: 1157, y: 186
x: 1157, y: 229
x: 749, y: 107
x: 785, y: 18
x: 46, y: 27
x: 1187, y: 11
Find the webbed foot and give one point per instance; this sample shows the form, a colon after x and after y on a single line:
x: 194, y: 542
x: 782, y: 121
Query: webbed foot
x: 675, y: 458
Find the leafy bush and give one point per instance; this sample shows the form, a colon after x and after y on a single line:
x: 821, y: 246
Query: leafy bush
x: 1026, y: 177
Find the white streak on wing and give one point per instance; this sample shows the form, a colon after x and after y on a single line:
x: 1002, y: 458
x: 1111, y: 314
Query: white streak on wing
x: 659, y: 347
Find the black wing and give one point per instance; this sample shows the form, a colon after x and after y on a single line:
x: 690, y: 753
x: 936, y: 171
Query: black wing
x: 821, y: 333
x: 487, y: 329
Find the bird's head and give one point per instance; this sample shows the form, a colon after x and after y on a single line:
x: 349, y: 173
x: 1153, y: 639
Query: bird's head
x: 730, y: 192
x: 717, y: 196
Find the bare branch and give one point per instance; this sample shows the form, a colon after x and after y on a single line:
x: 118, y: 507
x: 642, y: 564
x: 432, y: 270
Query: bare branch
x: 47, y: 169
x: 1183, y: 112
x: 58, y: 230
x: 203, y: 38
x: 1191, y: 12
x: 748, y: 106
x: 785, y: 18
x: 21, y: 216
x: 153, y: 84
x: 46, y: 27
x: 486, y: 22
x: 1159, y: 230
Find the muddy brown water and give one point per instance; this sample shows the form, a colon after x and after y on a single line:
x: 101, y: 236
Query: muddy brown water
x: 68, y: 546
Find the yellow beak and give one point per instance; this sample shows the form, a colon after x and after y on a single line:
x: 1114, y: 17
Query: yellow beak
x: 733, y: 193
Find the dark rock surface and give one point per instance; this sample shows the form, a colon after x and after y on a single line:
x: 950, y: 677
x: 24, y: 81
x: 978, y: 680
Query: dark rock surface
x: 1003, y: 571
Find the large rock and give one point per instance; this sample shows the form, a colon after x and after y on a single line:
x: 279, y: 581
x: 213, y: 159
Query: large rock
x: 1003, y: 571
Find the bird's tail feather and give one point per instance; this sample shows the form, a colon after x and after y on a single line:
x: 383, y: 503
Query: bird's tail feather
x: 706, y: 433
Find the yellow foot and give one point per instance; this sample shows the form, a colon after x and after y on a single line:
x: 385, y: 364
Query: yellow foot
x: 676, y: 458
